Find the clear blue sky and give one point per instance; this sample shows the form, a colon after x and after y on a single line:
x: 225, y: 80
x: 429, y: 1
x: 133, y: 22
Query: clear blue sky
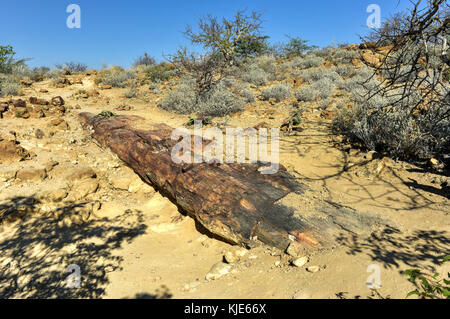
x: 115, y: 32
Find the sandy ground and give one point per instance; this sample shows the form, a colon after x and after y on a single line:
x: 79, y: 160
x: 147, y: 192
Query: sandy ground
x: 130, y: 242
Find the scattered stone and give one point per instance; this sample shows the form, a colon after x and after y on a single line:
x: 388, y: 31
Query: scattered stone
x: 241, y: 252
x: 121, y: 183
x: 39, y: 134
x: 19, y: 103
x: 313, y: 269
x: 6, y: 176
x: 192, y: 285
x: 26, y: 83
x: 300, y: 262
x: 368, y: 45
x: 57, y: 101
x: 436, y: 164
x: 32, y: 174
x: 370, y: 58
x: 11, y: 152
x: 83, y: 188
x: 218, y: 270
x: 106, y: 87
x: 229, y: 257
x: 295, y: 250
x: 43, y: 91
x: 50, y: 165
x: 59, y: 123
x: 123, y: 108
x: 80, y: 173
x: 4, y: 107
x: 109, y: 269
x: 372, y: 155
x: 52, y: 196
x: 37, y: 101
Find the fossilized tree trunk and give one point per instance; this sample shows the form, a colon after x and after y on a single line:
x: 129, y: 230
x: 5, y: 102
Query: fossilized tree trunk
x: 232, y: 201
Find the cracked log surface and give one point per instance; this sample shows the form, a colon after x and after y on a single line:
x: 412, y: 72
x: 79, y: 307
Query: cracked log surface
x: 234, y: 202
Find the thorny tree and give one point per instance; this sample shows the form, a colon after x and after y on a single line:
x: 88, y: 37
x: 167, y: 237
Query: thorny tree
x: 207, y: 70
x: 404, y: 108
x: 228, y: 35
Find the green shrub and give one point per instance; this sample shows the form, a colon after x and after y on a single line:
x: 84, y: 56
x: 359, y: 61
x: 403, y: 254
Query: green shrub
x: 345, y: 70
x: 215, y: 102
x: 182, y: 99
x: 132, y: 91
x: 278, y: 92
x: 309, y: 61
x: 256, y: 76
x: 9, y: 85
x: 39, y: 74
x: 219, y: 102
x: 306, y: 94
x: 429, y: 286
x: 342, y: 56
x: 316, y: 74
x: 115, y: 76
x: 73, y: 67
x: 324, y: 88
x: 160, y: 72
x: 375, y: 122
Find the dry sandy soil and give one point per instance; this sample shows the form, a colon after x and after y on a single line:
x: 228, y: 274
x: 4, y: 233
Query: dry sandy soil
x: 72, y: 202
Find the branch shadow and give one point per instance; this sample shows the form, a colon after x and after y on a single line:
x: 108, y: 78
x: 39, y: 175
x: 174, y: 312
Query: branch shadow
x: 390, y: 247
x: 38, y: 249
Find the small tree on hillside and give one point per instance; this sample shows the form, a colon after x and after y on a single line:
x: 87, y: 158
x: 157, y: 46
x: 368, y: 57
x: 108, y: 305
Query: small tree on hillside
x: 228, y: 37
x: 145, y: 59
x: 207, y: 70
x: 7, y: 61
x: 296, y: 47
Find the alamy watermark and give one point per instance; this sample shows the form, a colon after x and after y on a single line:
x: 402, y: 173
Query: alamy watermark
x: 374, y: 279
x: 74, y: 19
x: 231, y: 147
x: 374, y: 19
x: 73, y: 281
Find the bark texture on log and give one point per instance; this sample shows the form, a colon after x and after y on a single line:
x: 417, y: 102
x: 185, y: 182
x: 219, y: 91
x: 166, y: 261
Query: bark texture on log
x: 232, y: 201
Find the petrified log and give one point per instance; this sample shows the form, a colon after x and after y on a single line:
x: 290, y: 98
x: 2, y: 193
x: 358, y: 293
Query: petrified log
x: 232, y: 201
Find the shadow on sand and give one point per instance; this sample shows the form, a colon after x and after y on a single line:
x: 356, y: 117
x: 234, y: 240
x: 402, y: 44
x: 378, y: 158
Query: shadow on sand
x: 37, y: 249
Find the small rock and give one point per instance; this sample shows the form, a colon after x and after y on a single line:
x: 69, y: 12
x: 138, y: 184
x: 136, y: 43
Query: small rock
x: 300, y: 262
x: 229, y: 257
x: 313, y: 269
x: 83, y: 188
x: 295, y: 250
x: 436, y: 164
x: 241, y: 252
x: 50, y: 165
x: 218, y: 270
x: 192, y: 285
x: 19, y: 103
x: 121, y: 183
x: 57, y: 101
x: 6, y: 176
x: 109, y: 269
x: 32, y: 174
x: 53, y: 196
x: 372, y: 155
x: 37, y: 101
x: 39, y: 134
x: 80, y: 173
